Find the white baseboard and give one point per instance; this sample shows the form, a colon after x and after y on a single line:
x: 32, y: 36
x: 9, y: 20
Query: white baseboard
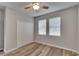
x: 57, y: 46
x: 24, y: 44
x: 7, y: 51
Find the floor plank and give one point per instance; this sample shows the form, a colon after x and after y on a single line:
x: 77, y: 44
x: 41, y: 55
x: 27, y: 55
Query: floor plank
x: 45, y: 51
x: 37, y: 51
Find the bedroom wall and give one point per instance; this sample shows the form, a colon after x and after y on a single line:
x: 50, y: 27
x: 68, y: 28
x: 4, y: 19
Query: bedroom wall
x: 10, y: 29
x: 24, y: 31
x: 2, y: 29
x: 12, y: 37
x: 68, y: 38
x: 78, y: 29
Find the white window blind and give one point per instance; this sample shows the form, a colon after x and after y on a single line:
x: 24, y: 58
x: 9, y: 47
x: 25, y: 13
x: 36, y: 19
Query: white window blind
x: 42, y: 27
x: 54, y: 26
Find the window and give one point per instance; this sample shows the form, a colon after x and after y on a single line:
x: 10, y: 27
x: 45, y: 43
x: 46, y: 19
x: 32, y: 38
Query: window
x: 42, y: 27
x: 54, y: 26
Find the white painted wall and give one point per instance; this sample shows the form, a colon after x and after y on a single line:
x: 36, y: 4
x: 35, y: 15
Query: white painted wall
x: 1, y: 29
x: 24, y: 33
x: 24, y: 30
x: 10, y: 29
x: 11, y: 35
x: 68, y: 38
x: 78, y: 28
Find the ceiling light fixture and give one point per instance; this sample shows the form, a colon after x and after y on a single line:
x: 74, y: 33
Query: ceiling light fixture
x: 36, y: 6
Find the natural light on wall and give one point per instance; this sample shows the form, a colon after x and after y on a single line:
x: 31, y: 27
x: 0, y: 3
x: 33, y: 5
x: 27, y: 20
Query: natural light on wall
x: 42, y: 27
x: 54, y: 26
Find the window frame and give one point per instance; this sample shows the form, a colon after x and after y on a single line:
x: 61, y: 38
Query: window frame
x: 59, y: 28
x: 45, y: 27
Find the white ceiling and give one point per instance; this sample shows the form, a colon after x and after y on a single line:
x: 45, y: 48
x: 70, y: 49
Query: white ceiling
x: 53, y: 6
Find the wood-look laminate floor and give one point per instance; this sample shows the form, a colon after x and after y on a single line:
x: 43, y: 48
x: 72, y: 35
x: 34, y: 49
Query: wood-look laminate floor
x: 37, y: 49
